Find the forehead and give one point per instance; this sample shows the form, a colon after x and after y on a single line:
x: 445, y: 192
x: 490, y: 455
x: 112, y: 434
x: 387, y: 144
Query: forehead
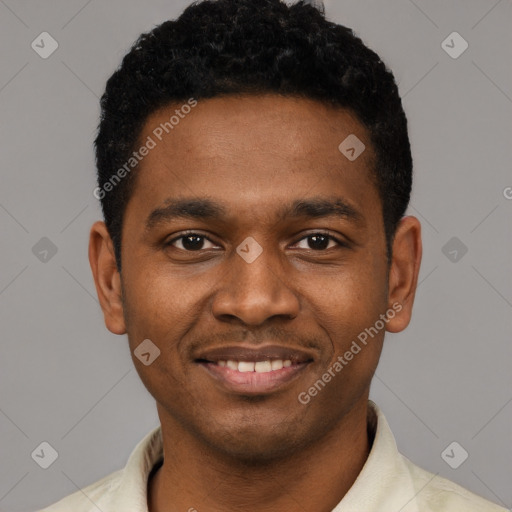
x: 236, y: 122
x: 253, y: 151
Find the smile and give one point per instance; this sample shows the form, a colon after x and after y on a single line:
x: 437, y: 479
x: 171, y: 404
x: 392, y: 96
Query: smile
x: 253, y: 377
x: 256, y: 366
x: 253, y: 370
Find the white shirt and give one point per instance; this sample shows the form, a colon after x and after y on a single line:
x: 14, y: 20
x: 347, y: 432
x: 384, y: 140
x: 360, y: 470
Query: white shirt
x: 388, y: 482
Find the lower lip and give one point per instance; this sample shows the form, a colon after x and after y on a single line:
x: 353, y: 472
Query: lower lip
x: 254, y: 382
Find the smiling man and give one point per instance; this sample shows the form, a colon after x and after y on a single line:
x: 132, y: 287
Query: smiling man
x: 254, y: 170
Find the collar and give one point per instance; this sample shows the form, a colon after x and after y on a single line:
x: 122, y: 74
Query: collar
x: 384, y: 483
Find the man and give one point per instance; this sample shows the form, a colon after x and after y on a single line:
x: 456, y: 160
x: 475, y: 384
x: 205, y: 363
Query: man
x: 254, y: 169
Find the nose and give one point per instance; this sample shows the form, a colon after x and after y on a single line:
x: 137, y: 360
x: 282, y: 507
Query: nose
x: 255, y: 292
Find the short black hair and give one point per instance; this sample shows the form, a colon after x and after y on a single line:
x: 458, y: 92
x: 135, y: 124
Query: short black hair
x: 231, y: 47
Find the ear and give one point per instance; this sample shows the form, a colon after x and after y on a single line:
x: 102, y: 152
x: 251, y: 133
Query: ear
x: 106, y: 277
x: 403, y: 275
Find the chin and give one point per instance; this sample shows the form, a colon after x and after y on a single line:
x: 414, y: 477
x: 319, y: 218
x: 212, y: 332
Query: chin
x: 256, y: 444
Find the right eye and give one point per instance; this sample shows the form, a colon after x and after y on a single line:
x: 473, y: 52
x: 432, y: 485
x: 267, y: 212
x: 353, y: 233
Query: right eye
x: 190, y: 242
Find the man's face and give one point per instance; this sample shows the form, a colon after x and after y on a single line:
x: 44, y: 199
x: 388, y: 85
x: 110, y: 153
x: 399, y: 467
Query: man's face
x: 256, y: 158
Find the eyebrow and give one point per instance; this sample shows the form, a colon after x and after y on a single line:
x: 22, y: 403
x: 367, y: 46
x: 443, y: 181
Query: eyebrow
x: 207, y: 209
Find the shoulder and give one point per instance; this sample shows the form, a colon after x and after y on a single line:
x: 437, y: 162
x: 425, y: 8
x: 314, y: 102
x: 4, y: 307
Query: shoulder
x: 90, y: 498
x: 438, y: 494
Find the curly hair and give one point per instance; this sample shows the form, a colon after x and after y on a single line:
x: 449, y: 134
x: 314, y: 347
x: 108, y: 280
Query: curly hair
x: 230, y: 47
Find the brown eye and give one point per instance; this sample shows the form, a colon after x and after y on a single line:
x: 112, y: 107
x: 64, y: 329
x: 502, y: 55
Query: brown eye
x: 320, y: 242
x: 191, y: 242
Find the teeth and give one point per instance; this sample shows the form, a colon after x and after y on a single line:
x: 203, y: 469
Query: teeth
x: 263, y: 367
x: 233, y: 365
x: 256, y: 366
x: 277, y: 364
x: 245, y: 366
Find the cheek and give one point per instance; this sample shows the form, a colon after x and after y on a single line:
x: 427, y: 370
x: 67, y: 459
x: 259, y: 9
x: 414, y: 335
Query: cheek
x: 157, y: 309
x: 349, y: 304
x: 354, y: 297
x: 164, y: 308
x: 348, y: 312
x: 154, y: 308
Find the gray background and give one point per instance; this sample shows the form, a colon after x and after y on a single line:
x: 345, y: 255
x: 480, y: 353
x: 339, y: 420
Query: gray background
x: 66, y: 380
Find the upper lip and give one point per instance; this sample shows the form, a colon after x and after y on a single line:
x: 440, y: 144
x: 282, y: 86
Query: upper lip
x: 261, y: 353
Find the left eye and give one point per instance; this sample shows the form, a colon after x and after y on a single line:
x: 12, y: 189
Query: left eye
x: 319, y: 241
x: 192, y: 242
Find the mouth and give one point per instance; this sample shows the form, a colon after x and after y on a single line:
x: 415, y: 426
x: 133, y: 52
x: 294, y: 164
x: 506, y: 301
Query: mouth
x: 254, y: 371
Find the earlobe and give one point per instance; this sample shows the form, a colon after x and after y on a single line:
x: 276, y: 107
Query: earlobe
x: 106, y: 277
x: 403, y: 274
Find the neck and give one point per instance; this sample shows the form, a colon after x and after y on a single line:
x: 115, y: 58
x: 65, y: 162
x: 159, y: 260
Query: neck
x: 194, y: 477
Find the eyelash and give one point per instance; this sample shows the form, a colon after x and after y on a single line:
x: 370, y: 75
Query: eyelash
x: 199, y: 235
